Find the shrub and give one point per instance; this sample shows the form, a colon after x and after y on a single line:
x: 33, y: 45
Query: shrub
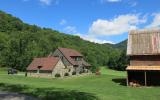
x: 66, y: 74
x: 94, y: 68
x: 57, y: 75
x: 81, y: 72
x: 98, y: 71
x: 74, y: 73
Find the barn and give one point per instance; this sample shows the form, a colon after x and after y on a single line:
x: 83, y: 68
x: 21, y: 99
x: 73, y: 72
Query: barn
x: 144, y: 51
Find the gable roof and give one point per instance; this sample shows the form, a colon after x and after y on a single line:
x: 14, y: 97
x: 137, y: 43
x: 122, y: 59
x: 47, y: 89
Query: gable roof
x: 68, y: 53
x: 143, y: 42
x: 47, y: 63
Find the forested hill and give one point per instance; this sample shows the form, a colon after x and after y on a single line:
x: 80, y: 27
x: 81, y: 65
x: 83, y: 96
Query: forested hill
x: 122, y: 45
x: 21, y: 42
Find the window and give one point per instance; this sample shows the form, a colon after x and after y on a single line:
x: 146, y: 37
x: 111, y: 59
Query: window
x: 77, y: 58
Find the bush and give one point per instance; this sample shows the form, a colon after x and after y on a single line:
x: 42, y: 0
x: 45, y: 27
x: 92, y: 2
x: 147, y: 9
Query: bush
x: 57, y: 75
x: 94, y: 68
x: 81, y: 72
x: 74, y: 73
x: 66, y: 74
x: 98, y: 71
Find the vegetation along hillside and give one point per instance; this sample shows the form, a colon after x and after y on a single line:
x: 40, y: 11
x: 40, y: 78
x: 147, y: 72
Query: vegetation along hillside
x: 21, y: 42
x: 122, y: 45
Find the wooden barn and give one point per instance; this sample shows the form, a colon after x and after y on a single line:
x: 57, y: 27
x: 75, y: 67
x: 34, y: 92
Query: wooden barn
x: 144, y: 51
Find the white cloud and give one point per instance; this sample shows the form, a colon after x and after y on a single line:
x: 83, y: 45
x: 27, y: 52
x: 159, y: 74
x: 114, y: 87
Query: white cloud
x: 46, y: 2
x: 94, y: 39
x: 156, y: 21
x: 110, y: 1
x: 71, y: 30
x: 116, y: 26
x: 49, y: 2
x: 133, y: 4
x: 62, y: 22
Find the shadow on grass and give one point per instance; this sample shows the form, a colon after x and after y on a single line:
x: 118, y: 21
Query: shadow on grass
x: 48, y: 93
x: 121, y: 81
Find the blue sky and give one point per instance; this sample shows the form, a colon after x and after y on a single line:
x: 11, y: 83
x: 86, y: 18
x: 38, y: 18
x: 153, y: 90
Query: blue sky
x: 99, y: 21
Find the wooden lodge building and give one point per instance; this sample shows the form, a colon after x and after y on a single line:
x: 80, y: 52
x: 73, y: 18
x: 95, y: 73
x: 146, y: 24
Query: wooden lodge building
x: 144, y: 51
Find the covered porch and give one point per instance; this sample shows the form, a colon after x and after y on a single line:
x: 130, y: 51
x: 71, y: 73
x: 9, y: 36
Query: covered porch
x: 143, y: 75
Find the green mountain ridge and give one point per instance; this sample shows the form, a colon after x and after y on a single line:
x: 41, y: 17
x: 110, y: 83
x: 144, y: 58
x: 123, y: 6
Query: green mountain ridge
x: 21, y: 42
x: 121, y: 45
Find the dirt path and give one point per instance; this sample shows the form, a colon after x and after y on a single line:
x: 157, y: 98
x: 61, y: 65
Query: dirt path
x: 14, y: 96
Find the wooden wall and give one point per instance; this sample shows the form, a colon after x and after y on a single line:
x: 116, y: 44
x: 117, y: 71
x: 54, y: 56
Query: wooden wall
x: 145, y: 60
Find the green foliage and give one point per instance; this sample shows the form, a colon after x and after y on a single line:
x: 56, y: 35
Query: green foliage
x: 74, y: 73
x: 57, y: 75
x: 118, y: 60
x: 123, y: 61
x: 66, y: 74
x: 94, y: 68
x: 20, y: 43
x: 122, y: 45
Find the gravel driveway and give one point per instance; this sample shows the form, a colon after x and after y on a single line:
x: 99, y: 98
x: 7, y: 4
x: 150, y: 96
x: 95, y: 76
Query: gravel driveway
x: 15, y: 96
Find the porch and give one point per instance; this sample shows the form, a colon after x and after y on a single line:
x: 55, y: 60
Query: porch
x: 143, y: 75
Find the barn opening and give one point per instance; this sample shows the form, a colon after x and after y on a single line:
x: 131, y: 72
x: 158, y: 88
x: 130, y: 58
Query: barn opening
x: 146, y: 78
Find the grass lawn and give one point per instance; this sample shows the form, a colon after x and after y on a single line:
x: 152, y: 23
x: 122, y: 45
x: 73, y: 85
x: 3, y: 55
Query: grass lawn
x: 108, y: 86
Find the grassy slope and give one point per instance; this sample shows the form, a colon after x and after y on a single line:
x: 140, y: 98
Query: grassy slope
x: 109, y: 86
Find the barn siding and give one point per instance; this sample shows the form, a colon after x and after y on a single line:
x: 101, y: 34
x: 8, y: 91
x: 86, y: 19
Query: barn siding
x: 145, y: 60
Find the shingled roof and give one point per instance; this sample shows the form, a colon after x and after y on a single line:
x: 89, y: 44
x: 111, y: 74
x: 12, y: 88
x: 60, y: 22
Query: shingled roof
x: 143, y: 42
x: 68, y: 53
x: 47, y: 63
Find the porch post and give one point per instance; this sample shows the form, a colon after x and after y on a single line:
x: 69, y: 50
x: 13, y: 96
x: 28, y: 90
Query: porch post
x: 145, y: 78
x: 127, y: 79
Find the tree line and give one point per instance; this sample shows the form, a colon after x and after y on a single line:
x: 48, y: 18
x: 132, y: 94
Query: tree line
x: 21, y: 42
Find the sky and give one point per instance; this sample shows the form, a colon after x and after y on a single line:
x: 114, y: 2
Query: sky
x: 100, y: 21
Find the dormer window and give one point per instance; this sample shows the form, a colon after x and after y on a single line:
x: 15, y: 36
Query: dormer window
x: 77, y: 58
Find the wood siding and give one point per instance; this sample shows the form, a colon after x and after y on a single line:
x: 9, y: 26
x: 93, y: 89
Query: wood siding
x: 145, y: 60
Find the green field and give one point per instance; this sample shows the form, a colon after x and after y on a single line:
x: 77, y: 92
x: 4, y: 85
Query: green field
x: 110, y: 85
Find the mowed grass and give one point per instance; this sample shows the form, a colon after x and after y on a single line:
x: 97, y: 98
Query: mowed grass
x: 110, y: 85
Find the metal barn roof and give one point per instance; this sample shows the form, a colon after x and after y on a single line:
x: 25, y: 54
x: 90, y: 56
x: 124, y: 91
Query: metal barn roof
x: 143, y: 42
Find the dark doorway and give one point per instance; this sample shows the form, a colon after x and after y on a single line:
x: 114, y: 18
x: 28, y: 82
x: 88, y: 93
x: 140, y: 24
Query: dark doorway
x: 153, y: 78
x: 136, y: 76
